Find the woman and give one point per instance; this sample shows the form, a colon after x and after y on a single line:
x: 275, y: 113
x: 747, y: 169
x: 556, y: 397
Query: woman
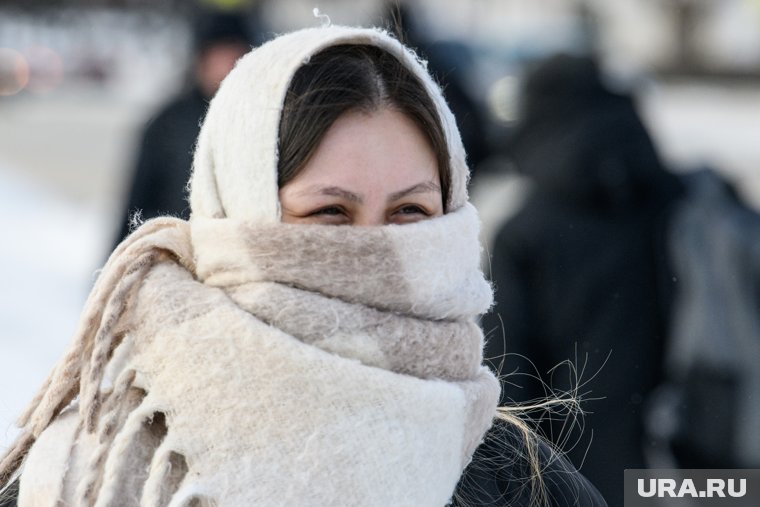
x: 250, y: 359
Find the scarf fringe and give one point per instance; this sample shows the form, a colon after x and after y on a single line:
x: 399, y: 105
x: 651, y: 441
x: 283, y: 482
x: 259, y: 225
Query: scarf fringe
x: 80, y: 371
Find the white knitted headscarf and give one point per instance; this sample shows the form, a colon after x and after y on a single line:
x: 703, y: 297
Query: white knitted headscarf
x: 237, y: 360
x: 235, y: 168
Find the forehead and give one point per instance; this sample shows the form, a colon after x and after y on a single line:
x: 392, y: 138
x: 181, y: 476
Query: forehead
x: 372, y: 148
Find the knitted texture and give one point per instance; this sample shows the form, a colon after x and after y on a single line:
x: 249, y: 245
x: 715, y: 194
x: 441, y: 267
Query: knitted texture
x: 236, y: 360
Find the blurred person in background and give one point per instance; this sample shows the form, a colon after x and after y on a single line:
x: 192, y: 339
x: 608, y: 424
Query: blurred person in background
x: 581, y: 273
x: 164, y: 157
x: 707, y: 411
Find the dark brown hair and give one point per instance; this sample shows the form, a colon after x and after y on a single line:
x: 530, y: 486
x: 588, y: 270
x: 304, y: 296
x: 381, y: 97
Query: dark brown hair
x: 346, y: 78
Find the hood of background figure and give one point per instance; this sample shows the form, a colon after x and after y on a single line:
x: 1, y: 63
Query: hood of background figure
x: 579, y: 141
x: 235, y: 163
x: 219, y: 39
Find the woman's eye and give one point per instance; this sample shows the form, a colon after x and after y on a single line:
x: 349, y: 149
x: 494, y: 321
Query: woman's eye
x: 329, y: 211
x: 330, y: 215
x: 412, y: 209
x: 409, y: 213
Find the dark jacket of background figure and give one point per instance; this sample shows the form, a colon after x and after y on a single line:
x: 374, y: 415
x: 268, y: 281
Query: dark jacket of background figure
x: 581, y: 272
x: 164, y: 160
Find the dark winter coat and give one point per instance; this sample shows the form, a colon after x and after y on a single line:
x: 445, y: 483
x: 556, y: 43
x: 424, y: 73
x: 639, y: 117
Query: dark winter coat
x: 580, y: 272
x: 499, y: 475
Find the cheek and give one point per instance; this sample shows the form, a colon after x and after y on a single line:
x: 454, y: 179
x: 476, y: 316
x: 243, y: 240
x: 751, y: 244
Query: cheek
x: 288, y: 206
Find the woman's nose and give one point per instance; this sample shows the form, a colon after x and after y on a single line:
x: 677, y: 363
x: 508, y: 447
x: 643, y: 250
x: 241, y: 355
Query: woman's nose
x: 369, y: 217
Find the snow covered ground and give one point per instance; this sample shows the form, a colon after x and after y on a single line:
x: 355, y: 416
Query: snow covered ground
x: 50, y: 250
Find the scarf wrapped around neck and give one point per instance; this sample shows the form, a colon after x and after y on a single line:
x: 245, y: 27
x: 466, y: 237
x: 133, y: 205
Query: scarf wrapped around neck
x: 236, y: 360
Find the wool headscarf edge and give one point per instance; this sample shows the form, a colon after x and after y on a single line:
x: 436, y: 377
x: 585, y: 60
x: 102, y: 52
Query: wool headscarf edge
x: 235, y: 163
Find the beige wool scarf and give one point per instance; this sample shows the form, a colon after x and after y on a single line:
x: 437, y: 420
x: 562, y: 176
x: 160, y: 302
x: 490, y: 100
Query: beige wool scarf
x: 293, y: 365
x: 235, y: 360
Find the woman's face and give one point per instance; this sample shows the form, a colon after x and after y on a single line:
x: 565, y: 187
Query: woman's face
x: 369, y: 169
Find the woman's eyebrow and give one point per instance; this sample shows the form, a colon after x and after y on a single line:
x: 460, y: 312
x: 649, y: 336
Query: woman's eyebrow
x: 419, y: 188
x: 334, y: 191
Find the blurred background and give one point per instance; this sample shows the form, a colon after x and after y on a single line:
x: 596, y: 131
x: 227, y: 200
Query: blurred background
x: 79, y: 80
